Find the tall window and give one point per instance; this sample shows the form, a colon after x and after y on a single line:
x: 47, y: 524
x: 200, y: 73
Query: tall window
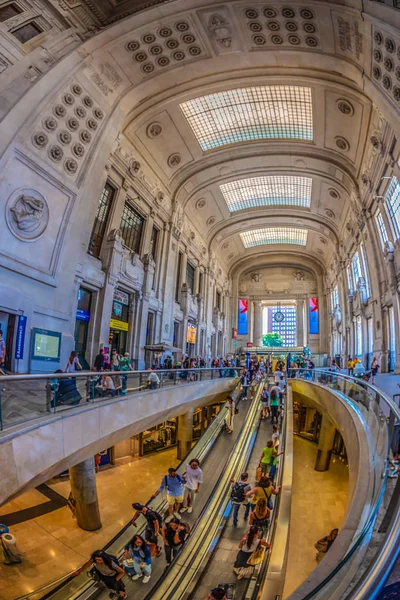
x: 365, y: 270
x: 153, y: 242
x: 349, y: 280
x: 356, y: 266
x: 380, y: 223
x: 100, y: 221
x: 9, y: 11
x: 131, y: 227
x: 218, y: 300
x: 178, y: 277
x: 190, y: 270
x: 392, y: 198
x: 335, y: 297
x: 287, y: 328
x: 201, y: 276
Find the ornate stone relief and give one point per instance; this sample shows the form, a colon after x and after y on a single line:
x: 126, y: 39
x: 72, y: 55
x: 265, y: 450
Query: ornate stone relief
x: 342, y: 143
x: 386, y: 63
x: 220, y: 30
x: 71, y: 128
x: 27, y: 214
x: 174, y: 160
x: 201, y: 203
x: 165, y: 47
x: 256, y: 277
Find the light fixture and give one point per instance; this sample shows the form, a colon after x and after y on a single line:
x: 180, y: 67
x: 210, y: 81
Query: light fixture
x: 274, y: 235
x: 271, y: 190
x: 248, y: 114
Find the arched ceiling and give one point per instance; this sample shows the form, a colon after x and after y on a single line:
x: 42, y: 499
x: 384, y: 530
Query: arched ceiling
x: 253, y: 116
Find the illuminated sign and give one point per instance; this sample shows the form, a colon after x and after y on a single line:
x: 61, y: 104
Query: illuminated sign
x: 191, y: 334
x: 314, y: 321
x: 46, y: 345
x: 243, y: 317
x: 121, y: 325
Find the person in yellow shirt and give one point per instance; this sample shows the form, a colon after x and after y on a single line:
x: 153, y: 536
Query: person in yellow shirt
x: 350, y: 366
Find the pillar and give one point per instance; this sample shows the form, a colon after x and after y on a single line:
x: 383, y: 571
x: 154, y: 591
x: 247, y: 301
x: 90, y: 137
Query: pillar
x: 300, y: 323
x: 325, y: 444
x: 185, y: 430
x: 84, y: 491
x: 258, y: 326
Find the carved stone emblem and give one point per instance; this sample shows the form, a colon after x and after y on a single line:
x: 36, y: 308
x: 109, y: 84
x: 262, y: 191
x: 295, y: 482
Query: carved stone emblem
x: 154, y: 130
x: 299, y: 276
x: 256, y: 277
x: 220, y: 30
x: 27, y: 214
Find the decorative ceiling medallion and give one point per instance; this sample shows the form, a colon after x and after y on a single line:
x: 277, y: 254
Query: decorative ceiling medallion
x: 342, y: 143
x: 154, y: 130
x: 345, y: 107
x: 323, y: 240
x: 279, y: 317
x: 334, y: 194
x: 210, y: 221
x: 201, y: 203
x: 27, y: 214
x: 330, y: 213
x: 174, y: 160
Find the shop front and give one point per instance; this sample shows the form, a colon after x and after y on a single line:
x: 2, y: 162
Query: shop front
x: 119, y: 322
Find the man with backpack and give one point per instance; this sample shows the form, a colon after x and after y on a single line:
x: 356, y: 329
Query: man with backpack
x: 238, y: 497
x: 153, y: 524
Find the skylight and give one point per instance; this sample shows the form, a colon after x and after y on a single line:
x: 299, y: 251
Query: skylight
x: 275, y: 190
x: 247, y: 114
x: 274, y: 235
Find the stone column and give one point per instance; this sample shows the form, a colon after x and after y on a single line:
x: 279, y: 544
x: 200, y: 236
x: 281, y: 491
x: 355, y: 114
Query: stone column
x: 258, y: 326
x: 185, y: 430
x: 325, y: 444
x: 196, y: 290
x: 300, y: 323
x: 82, y: 478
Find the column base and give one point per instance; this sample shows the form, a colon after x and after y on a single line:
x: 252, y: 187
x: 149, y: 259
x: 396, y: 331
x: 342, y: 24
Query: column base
x: 323, y: 460
x: 183, y: 449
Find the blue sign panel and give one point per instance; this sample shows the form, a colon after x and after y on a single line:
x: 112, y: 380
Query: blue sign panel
x: 20, y: 343
x: 314, y: 324
x: 82, y: 315
x: 243, y: 317
x: 247, y: 360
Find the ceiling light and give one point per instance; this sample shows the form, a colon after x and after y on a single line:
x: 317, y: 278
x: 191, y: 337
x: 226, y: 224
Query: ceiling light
x: 247, y: 114
x: 275, y: 190
x: 274, y: 235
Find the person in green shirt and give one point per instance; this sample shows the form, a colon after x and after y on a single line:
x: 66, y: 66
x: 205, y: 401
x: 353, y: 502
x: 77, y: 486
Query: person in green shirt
x: 269, y: 454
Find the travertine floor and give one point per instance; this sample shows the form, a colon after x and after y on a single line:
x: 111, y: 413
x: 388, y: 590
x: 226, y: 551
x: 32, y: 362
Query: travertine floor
x: 318, y: 505
x: 45, y: 539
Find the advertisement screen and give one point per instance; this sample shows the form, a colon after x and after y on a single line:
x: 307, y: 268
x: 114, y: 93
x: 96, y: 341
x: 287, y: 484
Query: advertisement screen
x: 243, y: 317
x: 314, y: 324
x: 46, y: 344
x: 191, y: 334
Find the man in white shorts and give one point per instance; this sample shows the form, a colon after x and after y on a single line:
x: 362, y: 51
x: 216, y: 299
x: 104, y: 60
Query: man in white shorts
x: 193, y: 480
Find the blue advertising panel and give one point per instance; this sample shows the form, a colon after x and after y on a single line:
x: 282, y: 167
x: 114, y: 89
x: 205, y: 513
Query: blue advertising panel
x: 82, y: 315
x: 243, y: 317
x: 314, y: 321
x: 247, y: 360
x: 20, y: 342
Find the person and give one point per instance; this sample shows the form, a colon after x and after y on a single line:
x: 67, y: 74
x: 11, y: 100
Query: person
x: 248, y: 544
x: 73, y: 363
x: 106, y: 385
x: 230, y: 415
x: 350, y: 366
x: 310, y: 364
x: 193, y: 479
x: 277, y: 376
x: 268, y: 455
x: 65, y: 390
x: 265, y: 403
x: 245, y: 384
x: 153, y: 524
x: 115, y: 358
x: 99, y: 361
x: 217, y: 593
x: 282, y: 385
x: 325, y: 543
x: 97, y: 461
x: 138, y: 559
x: 264, y: 489
x: 174, y: 535
x: 168, y: 362
x: 109, y: 572
x: 260, y: 516
x: 173, y: 483
x: 274, y: 402
x: 153, y: 380
x: 374, y: 368
x: 238, y: 497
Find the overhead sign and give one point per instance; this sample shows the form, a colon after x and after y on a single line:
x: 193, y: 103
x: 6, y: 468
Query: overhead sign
x: 20, y: 342
x: 121, y: 325
x: 122, y: 297
x: 314, y: 321
x: 243, y: 317
x: 250, y: 344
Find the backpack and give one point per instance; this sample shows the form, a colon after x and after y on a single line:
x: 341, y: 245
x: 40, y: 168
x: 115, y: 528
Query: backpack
x: 237, y: 494
x: 156, y: 514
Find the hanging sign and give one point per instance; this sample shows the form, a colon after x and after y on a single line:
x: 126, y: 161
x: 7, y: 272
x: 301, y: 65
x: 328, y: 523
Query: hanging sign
x: 243, y: 317
x: 314, y: 321
x: 20, y: 341
x: 122, y: 297
x: 121, y: 325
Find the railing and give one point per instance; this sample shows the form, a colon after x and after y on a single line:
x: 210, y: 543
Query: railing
x: 76, y: 584
x: 27, y: 397
x: 381, y: 415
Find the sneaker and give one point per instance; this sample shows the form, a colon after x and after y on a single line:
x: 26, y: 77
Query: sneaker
x: 190, y: 509
x: 146, y: 579
x: 135, y: 577
x: 177, y: 516
x: 183, y: 509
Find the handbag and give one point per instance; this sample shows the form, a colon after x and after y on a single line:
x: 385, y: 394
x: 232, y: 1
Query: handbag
x: 320, y: 547
x: 258, y: 473
x: 256, y: 557
x: 269, y: 500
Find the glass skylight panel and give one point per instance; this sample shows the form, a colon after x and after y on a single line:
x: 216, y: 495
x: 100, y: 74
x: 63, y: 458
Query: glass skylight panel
x: 248, y: 114
x: 274, y: 190
x: 393, y: 204
x: 274, y: 235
